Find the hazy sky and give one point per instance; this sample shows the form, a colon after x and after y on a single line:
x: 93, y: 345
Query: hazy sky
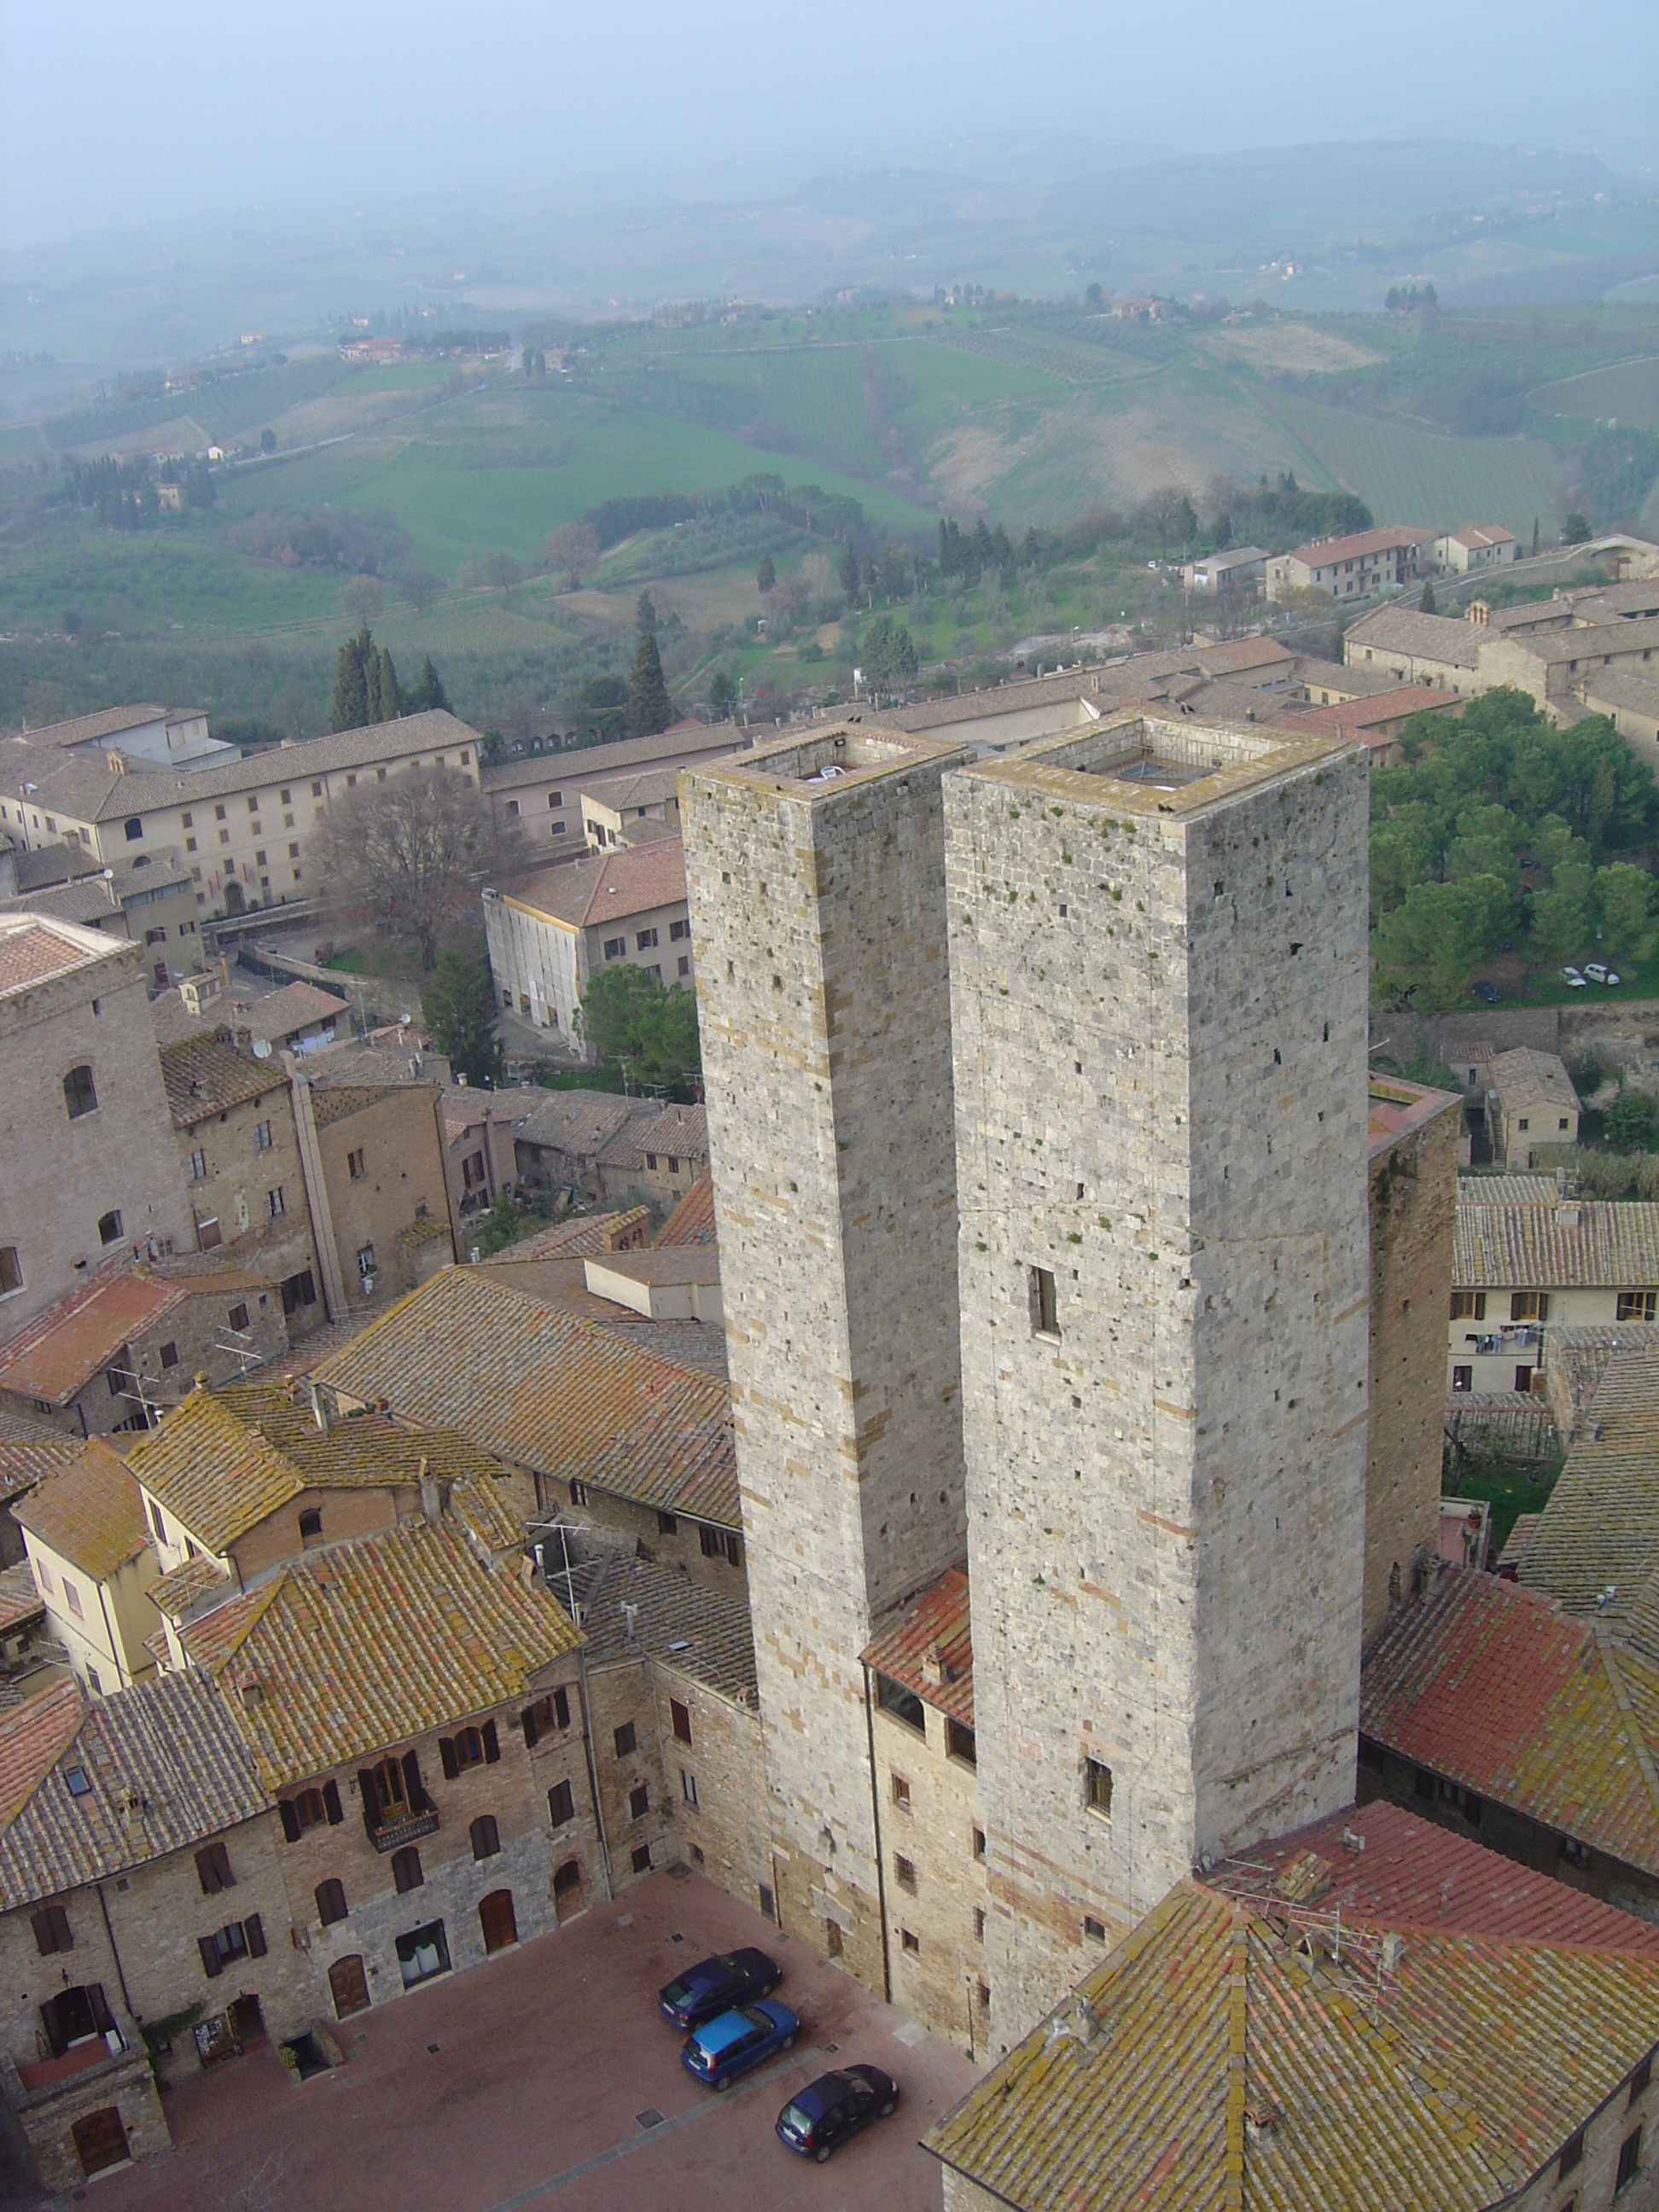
x: 112, y: 113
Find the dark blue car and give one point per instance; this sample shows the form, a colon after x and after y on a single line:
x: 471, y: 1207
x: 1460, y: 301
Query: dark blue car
x: 714, y: 1986
x: 733, y: 2042
x: 834, y: 2106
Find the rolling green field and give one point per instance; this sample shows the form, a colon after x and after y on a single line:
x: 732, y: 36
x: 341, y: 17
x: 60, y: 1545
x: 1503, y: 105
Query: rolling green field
x: 411, y: 483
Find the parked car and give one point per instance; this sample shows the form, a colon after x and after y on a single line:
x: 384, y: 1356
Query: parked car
x: 1599, y: 973
x: 733, y: 2042
x: 1574, y: 980
x: 715, y: 1985
x: 1488, y: 994
x: 834, y: 2106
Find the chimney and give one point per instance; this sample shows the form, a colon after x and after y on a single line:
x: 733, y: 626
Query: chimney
x: 432, y: 1506
x: 116, y: 763
x: 318, y: 1409
x: 933, y: 1666
x: 631, y: 1614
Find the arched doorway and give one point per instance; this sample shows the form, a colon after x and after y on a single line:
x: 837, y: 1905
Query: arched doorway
x: 234, y: 902
x: 567, y: 1889
x: 496, y: 1916
x: 348, y: 1986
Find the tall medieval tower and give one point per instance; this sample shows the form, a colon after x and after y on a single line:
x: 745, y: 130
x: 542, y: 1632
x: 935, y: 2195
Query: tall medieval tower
x: 815, y: 869
x: 1159, y: 1016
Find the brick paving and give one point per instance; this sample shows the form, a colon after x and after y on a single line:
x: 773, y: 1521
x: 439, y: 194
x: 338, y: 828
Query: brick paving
x: 544, y: 2058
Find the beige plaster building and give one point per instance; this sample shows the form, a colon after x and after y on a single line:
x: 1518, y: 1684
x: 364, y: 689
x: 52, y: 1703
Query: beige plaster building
x: 88, y: 1548
x: 1476, y: 545
x: 1523, y: 1268
x: 1350, y: 568
x: 549, y: 933
x: 374, y: 1162
x: 1530, y: 1101
x: 92, y: 1173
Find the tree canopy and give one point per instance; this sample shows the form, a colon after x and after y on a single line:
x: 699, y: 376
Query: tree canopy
x: 459, y: 1001
x: 648, y: 707
x: 1498, y: 831
x: 636, y: 1023
x: 888, y: 652
x: 367, y: 689
x: 408, y: 856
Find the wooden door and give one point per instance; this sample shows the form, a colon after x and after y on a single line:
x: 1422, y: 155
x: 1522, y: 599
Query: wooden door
x: 100, y: 2141
x: 568, y: 1890
x: 495, y: 1913
x: 348, y: 1986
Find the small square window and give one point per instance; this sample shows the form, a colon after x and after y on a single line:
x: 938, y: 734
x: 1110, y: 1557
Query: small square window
x: 642, y: 1859
x: 902, y: 1792
x: 625, y: 1740
x: 237, y: 1317
x: 1093, y: 1928
x: 911, y: 1944
x: 1098, y: 1787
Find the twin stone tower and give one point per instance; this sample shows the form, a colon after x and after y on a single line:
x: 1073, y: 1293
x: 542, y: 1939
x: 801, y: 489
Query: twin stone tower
x: 1037, y: 1115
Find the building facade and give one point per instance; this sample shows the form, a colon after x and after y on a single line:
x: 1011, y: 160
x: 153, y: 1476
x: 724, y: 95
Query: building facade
x: 548, y: 934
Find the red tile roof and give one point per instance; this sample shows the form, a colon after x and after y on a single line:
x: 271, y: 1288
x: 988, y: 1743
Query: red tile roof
x: 57, y: 1354
x: 586, y: 894
x: 33, y: 951
x: 1410, y: 1873
x: 692, y: 1221
x: 1495, y: 1688
x: 90, y: 1512
x: 929, y: 1648
x: 31, y: 1739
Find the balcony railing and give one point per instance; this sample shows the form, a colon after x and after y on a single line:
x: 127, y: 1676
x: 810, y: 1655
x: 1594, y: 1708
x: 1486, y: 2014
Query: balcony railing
x: 392, y: 1835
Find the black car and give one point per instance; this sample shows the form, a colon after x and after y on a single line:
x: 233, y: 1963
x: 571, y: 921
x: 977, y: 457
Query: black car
x: 715, y: 1985
x: 834, y: 2106
x: 1488, y: 994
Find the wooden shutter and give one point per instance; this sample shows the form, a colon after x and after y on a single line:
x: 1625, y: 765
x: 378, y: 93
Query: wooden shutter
x: 527, y: 1722
x: 562, y: 1708
x: 492, y: 1744
x: 331, y: 1802
x: 52, y: 1930
x: 212, y: 1964
x: 253, y: 1929
x: 446, y: 1757
x: 415, y: 1797
x: 290, y: 1820
x: 371, y: 1803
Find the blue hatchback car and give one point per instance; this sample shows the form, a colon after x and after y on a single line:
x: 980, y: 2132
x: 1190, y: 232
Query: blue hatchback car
x: 733, y: 2042
x: 715, y: 1985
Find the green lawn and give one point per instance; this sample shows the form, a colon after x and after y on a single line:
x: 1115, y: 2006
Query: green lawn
x: 1512, y: 1488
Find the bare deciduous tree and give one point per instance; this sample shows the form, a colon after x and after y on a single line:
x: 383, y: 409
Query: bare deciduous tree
x: 572, y: 550
x: 363, y: 599
x: 409, y: 855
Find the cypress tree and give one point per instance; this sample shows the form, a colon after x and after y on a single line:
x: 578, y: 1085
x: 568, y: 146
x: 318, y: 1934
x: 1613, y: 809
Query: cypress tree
x: 766, y: 575
x: 349, y: 708
x: 391, y: 699
x: 429, y: 691
x: 371, y: 684
x: 648, y: 710
x: 1425, y: 604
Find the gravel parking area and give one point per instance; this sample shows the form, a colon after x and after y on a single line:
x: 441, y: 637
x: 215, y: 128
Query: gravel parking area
x: 547, y: 2076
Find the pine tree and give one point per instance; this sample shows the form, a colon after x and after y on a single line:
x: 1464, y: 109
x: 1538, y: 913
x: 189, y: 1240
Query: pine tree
x: 849, y: 571
x: 1534, y: 537
x: 391, y: 699
x: 648, y: 710
x: 349, y: 708
x: 459, y: 1001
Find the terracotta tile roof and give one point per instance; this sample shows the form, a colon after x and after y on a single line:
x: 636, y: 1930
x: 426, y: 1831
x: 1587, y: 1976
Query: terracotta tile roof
x: 1212, y: 2060
x: 931, y: 1639
x: 1321, y: 552
x: 581, y: 1122
x: 582, y: 765
x: 1522, y: 1077
x: 1600, y: 1531
x: 587, y: 893
x: 178, y: 1594
x: 348, y: 1651
x: 704, y: 1632
x: 577, y: 1239
x: 1424, y: 637
x: 164, y: 1769
x: 679, y: 1133
x: 1504, y: 1189
x: 694, y: 1344
x: 1410, y: 1873
x: 283, y: 1014
x: 1496, y: 1688
x: 222, y: 1460
x: 207, y: 1075
x: 1234, y: 656
x: 1585, y: 1245
x: 692, y: 1221
x: 34, y: 950
x: 86, y: 729
x: 20, y: 1601
x: 90, y: 1512
x: 31, y: 1739
x: 57, y: 1354
x: 22, y: 1465
x: 544, y: 1390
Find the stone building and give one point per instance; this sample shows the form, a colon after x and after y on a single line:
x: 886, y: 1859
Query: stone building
x: 1159, y: 1007
x: 233, y: 1118
x: 1413, y: 1205
x: 816, y: 880
x: 92, y: 1173
x: 1530, y: 1103
x: 374, y: 1157
x: 548, y: 934
x: 143, y: 1922
x: 1525, y: 1266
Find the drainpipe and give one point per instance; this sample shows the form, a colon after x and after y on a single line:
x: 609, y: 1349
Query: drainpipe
x: 875, y: 1809
x: 120, y: 1974
x: 322, y: 1219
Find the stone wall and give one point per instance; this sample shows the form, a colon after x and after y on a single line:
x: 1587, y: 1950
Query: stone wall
x: 819, y: 913
x: 1414, y: 1208
x: 230, y: 1174
x: 399, y: 1139
x: 724, y: 1834
x: 928, y: 1807
x: 65, y: 1176
x: 1159, y: 1010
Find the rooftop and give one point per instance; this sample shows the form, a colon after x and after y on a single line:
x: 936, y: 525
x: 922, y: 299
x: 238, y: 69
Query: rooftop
x: 86, y: 729
x: 20, y: 1601
x: 222, y: 1460
x: 156, y: 1770
x: 282, y: 1014
x: 544, y: 1390
x: 1475, y: 535
x: 678, y: 1133
x: 929, y: 1648
x: 89, y: 1512
x: 1140, y: 763
x: 586, y: 894
x: 35, y: 948
x: 826, y: 759
x: 580, y: 1238
x: 1590, y: 645
x: 1227, y: 2052
x: 705, y: 1632
x: 348, y: 1650
x: 1322, y: 552
x: 1597, y: 1546
x: 1426, y: 637
x: 1522, y: 1077
x: 579, y: 1121
x: 580, y: 766
x: 692, y: 1221
x: 1576, y: 1244
x: 207, y: 1075
x: 1494, y: 1687
x: 1398, y: 1108
x: 52, y: 1358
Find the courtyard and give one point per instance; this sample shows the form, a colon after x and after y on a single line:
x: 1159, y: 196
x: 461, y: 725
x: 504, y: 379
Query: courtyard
x: 547, y: 2076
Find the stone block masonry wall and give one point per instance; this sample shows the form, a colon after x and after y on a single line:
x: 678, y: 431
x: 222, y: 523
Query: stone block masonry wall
x: 720, y: 1823
x: 1159, y: 1009
x: 818, y: 912
x: 1413, y: 1208
x: 936, y: 1912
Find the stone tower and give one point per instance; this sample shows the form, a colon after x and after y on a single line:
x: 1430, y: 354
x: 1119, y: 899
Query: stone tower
x: 1159, y: 1000
x: 815, y: 869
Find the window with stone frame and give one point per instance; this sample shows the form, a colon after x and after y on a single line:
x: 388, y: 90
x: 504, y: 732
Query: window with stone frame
x: 1098, y: 1787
